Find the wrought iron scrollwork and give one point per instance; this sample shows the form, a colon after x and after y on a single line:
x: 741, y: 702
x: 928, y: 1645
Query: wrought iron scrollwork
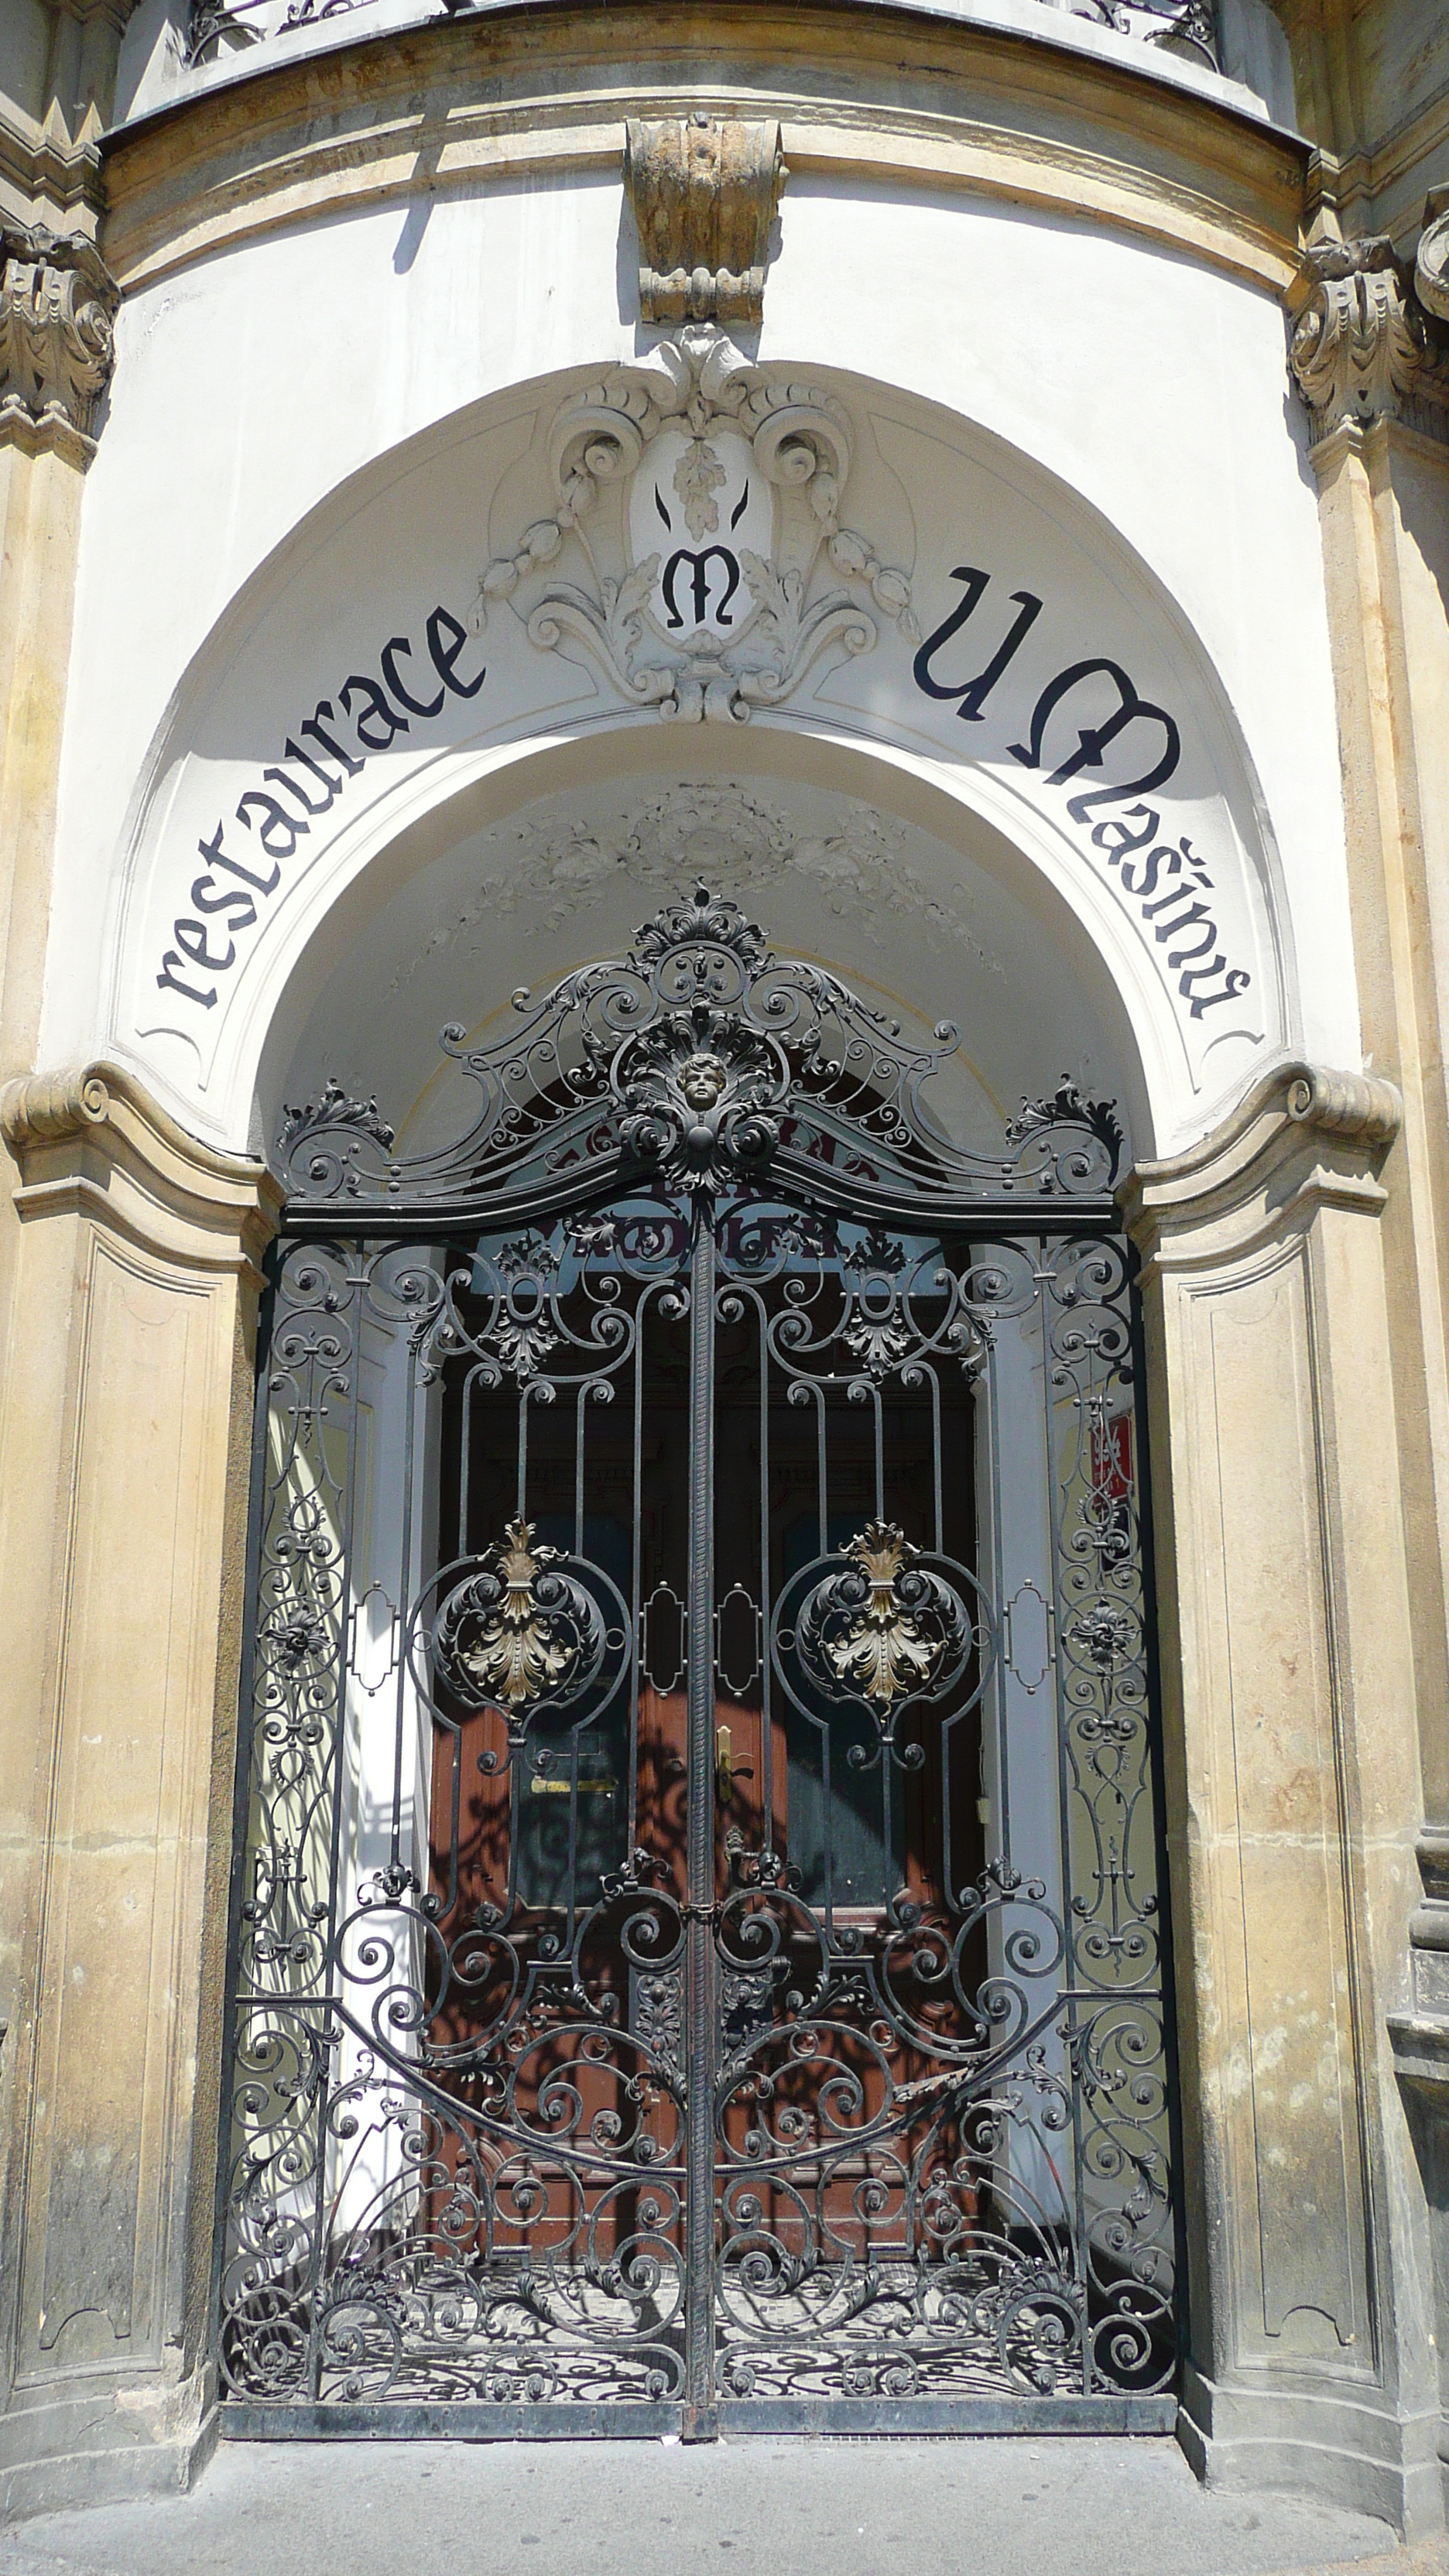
x: 679, y: 1063
x: 697, y: 1942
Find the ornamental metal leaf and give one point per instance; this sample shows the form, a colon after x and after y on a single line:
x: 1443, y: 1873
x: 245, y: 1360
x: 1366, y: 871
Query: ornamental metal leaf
x: 335, y: 1109
x: 1069, y: 1106
x: 884, y: 1649
x: 886, y: 1627
x: 517, y: 1630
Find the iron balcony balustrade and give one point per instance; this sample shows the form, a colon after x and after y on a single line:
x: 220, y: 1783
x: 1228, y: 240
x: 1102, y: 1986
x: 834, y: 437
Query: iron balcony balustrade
x: 218, y: 27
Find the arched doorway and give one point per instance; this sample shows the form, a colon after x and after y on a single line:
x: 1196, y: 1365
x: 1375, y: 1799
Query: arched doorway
x: 697, y: 1954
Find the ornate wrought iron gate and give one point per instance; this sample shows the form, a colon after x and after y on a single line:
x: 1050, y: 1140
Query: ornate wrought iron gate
x: 696, y: 1949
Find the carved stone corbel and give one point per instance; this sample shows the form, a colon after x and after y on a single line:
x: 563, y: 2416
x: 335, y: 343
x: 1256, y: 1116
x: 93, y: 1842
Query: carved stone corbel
x: 1357, y: 346
x: 704, y: 192
x: 58, y: 304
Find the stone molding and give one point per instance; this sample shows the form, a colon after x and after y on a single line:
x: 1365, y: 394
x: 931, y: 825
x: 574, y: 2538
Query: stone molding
x: 58, y: 305
x: 704, y: 192
x: 1363, y: 346
x: 91, y: 1139
x: 863, y: 98
x: 1301, y: 1135
x: 1421, y: 2055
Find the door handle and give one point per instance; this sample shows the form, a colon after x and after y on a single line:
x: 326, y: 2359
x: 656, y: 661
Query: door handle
x: 726, y: 1771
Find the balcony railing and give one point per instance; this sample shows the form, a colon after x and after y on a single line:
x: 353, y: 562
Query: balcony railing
x: 220, y: 27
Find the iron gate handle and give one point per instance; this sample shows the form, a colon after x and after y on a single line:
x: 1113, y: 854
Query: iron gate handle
x: 726, y: 1772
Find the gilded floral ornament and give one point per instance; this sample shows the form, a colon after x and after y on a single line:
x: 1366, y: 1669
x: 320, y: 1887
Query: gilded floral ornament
x: 884, y: 1652
x: 887, y: 1628
x: 519, y: 1631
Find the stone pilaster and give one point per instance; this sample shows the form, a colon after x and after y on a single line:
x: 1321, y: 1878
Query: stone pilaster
x: 57, y: 305
x: 123, y: 1476
x: 1293, y: 1791
x: 1370, y: 350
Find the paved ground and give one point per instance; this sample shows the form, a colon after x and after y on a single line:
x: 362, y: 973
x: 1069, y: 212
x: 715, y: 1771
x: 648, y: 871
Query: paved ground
x: 990, y: 2508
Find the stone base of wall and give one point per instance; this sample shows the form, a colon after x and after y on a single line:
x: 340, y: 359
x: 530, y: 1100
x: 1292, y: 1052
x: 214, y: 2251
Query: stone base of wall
x: 1349, y: 2450
x: 94, y: 2444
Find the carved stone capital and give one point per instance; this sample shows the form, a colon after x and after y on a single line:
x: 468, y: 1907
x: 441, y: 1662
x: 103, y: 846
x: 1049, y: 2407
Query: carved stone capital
x: 57, y: 307
x: 1357, y: 344
x: 704, y: 192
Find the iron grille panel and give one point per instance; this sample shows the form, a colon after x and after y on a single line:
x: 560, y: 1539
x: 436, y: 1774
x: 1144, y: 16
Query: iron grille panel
x: 696, y: 1946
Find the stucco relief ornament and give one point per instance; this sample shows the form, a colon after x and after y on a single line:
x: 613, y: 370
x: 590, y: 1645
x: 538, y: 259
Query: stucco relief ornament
x: 697, y: 554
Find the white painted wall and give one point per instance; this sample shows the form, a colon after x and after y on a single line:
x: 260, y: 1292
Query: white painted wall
x: 250, y: 388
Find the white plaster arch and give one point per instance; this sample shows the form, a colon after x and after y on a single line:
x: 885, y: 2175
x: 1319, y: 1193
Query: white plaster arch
x: 918, y: 493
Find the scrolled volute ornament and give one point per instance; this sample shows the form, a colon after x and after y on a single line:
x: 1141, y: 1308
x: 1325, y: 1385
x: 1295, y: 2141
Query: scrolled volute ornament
x: 1431, y: 260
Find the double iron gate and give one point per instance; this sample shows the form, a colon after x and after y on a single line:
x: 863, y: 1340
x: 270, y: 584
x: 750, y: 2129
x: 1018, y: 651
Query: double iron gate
x: 696, y: 1947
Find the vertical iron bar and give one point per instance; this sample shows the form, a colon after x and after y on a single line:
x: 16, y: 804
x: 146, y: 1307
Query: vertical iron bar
x: 335, y: 1974
x: 701, y: 2423
x: 1049, y: 1252
x: 767, y: 1727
